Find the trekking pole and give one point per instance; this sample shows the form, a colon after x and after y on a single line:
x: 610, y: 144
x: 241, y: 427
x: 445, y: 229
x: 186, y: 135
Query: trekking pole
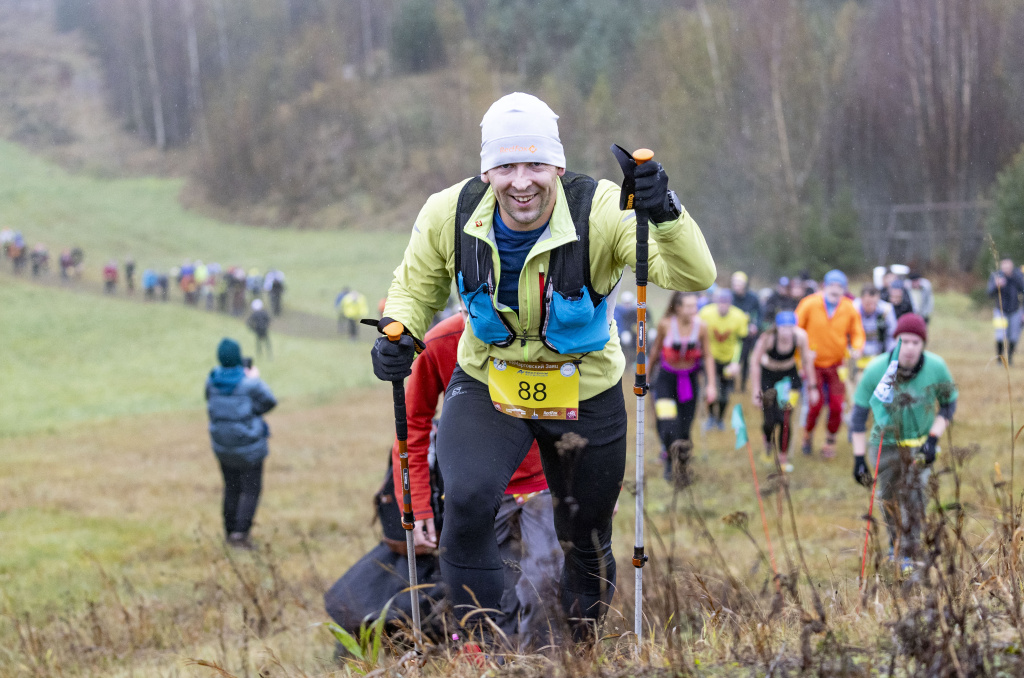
x: 394, y: 333
x: 629, y: 162
x: 867, y: 522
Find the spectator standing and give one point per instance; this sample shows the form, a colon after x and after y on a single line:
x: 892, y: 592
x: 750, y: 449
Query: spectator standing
x: 921, y: 295
x: 1006, y: 286
x: 236, y: 400
x: 129, y: 275
x: 149, y: 282
x: 110, y: 277
x: 273, y: 285
x: 164, y: 283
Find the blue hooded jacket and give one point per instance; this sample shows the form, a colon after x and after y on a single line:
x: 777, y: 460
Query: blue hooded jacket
x: 236, y: 405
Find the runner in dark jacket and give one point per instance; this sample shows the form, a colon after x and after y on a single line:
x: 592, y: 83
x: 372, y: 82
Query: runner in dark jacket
x: 259, y: 323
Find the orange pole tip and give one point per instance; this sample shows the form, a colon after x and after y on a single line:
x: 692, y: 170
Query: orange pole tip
x: 642, y: 155
x: 394, y: 330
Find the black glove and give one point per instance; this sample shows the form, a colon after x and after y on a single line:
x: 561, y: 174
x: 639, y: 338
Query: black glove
x: 651, y: 192
x: 861, y: 472
x: 929, y: 449
x: 392, y: 360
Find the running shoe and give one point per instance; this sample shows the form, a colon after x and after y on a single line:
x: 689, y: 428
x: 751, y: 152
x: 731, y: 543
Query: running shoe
x: 240, y: 541
x: 806, y: 447
x: 828, y: 450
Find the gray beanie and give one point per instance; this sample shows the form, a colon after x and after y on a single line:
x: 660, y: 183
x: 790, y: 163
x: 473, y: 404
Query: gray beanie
x: 519, y: 127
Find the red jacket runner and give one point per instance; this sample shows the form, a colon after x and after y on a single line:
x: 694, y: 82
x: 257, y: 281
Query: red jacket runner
x: 431, y: 372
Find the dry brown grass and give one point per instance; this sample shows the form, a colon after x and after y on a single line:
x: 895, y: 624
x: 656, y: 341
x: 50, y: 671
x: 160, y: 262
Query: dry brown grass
x: 113, y: 563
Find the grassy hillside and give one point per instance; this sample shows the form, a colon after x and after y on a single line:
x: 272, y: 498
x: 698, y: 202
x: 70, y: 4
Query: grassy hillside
x: 142, y: 218
x: 70, y: 358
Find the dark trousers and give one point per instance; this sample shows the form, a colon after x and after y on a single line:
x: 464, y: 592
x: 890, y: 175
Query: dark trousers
x: 242, y: 487
x: 748, y: 346
x: 902, y: 491
x: 478, y: 449
x: 674, y: 418
x: 263, y: 341
x: 725, y: 384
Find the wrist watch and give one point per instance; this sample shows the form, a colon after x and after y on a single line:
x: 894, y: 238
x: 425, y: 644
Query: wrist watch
x: 675, y: 208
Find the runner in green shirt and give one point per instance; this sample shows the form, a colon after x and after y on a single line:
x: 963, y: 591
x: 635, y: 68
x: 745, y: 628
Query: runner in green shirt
x: 911, y: 419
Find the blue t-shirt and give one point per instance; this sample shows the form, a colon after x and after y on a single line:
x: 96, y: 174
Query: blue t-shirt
x: 513, y: 247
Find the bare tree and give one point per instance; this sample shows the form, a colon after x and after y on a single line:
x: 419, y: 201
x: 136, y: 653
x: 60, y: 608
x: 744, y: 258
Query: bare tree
x: 154, y: 76
x: 195, y: 82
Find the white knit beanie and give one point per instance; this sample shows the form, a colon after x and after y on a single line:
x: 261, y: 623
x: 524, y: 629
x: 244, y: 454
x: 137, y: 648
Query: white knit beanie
x: 519, y: 127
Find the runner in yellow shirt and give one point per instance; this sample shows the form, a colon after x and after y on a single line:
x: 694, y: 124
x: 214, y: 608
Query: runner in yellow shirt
x: 727, y: 325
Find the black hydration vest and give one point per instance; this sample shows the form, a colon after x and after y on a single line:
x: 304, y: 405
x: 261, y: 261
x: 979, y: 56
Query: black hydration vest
x: 573, y: 315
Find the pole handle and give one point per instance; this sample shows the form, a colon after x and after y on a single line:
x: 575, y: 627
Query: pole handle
x: 642, y: 155
x: 394, y: 330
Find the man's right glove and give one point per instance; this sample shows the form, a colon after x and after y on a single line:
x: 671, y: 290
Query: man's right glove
x: 392, y: 360
x: 651, y: 192
x: 861, y: 472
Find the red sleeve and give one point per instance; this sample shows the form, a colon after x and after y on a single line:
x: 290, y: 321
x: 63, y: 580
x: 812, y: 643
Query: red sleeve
x: 431, y: 372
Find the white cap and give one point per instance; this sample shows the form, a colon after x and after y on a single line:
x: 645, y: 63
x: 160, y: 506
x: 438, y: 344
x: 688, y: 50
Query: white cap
x: 519, y: 128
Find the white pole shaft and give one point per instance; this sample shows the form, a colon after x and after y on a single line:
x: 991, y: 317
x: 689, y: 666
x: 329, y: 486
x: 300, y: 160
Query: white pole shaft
x: 639, y: 603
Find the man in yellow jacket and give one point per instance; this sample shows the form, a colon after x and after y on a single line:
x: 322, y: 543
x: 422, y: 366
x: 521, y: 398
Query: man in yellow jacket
x: 535, y: 252
x: 833, y: 329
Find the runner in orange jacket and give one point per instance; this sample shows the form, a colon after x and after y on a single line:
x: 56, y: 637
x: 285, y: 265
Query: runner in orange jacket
x: 833, y: 327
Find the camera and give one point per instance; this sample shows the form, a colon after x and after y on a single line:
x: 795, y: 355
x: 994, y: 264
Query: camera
x: 247, y: 363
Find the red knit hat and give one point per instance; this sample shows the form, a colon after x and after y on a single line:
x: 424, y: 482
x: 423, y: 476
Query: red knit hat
x: 912, y: 323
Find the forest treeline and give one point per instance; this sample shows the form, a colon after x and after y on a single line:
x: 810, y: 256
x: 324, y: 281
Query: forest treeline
x: 781, y: 122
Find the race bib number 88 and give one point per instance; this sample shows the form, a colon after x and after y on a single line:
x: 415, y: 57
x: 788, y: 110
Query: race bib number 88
x: 534, y: 390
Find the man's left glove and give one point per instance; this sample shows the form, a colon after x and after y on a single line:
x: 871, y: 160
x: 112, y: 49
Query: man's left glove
x: 651, y: 193
x: 929, y: 449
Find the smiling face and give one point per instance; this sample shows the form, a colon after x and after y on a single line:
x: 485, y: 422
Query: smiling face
x: 525, y: 192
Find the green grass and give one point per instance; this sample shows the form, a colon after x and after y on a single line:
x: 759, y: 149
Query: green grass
x: 74, y: 357
x: 142, y: 218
